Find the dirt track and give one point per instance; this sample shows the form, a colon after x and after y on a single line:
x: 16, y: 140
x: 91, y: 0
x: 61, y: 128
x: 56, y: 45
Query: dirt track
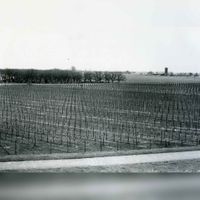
x: 48, y: 165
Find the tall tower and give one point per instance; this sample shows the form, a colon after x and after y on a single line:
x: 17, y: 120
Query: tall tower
x: 166, y: 71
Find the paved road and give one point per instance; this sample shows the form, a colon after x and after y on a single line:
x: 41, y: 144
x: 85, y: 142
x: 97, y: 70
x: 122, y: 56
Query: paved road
x: 99, y: 161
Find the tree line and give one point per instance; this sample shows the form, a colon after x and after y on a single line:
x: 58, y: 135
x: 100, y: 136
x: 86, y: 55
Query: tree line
x: 58, y: 76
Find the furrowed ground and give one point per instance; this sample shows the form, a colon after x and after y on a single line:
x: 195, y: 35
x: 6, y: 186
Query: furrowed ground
x: 98, y: 117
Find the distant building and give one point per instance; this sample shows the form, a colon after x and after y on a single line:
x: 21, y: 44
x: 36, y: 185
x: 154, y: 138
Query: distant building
x: 166, y: 71
x: 1, y: 78
x: 73, y: 68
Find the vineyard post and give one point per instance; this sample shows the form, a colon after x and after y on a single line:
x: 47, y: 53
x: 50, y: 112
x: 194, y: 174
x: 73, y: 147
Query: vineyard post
x: 100, y: 144
x: 16, y: 147
x: 85, y: 146
x: 50, y: 147
x: 150, y: 143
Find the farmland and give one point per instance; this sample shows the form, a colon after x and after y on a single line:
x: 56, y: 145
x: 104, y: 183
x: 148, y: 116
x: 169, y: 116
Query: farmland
x: 56, y: 118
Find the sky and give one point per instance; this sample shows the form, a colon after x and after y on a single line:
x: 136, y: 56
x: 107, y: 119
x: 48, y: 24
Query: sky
x: 113, y: 35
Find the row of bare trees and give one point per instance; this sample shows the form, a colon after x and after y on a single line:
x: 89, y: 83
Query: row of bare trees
x: 58, y: 76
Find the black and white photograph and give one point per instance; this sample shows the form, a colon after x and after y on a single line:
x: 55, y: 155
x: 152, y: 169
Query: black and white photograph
x: 100, y: 87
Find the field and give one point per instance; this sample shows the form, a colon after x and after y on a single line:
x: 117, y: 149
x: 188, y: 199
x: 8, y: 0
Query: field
x: 140, y: 78
x: 98, y: 117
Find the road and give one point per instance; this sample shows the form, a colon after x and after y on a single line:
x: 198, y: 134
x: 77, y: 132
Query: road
x: 98, y: 161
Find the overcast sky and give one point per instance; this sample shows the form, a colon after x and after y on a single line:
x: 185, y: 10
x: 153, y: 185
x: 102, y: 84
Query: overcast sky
x: 135, y: 35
